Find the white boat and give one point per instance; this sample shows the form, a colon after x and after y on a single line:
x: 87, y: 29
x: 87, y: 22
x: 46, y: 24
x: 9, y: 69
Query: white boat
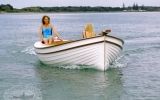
x: 97, y: 52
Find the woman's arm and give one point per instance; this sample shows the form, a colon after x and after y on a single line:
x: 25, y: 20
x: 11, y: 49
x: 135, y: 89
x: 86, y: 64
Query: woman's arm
x: 54, y: 30
x: 40, y: 33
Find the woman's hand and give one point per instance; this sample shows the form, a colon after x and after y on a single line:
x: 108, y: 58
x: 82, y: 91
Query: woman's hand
x: 57, y: 39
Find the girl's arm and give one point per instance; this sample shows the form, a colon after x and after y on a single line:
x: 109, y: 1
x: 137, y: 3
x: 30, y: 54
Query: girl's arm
x: 94, y: 34
x: 84, y: 34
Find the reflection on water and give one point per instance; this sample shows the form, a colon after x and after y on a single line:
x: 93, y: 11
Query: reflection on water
x: 84, y: 84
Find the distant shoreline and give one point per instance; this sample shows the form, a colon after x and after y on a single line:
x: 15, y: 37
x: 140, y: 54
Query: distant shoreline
x: 74, y: 9
x: 76, y: 12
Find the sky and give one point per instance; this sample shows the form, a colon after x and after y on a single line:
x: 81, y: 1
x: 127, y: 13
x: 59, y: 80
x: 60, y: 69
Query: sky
x: 51, y: 3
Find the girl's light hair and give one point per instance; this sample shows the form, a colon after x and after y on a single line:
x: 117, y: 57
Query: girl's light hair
x: 89, y: 27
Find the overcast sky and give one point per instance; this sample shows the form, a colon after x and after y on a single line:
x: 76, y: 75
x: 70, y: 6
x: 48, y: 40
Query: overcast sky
x: 51, y: 3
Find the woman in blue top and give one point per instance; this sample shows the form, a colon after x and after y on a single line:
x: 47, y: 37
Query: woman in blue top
x: 47, y: 31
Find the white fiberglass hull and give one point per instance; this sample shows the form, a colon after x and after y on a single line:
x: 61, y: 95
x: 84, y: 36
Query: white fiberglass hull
x: 98, y: 52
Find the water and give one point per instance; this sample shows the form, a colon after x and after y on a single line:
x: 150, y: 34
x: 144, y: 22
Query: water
x: 134, y: 76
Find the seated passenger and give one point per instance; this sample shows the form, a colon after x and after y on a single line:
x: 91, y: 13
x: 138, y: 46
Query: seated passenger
x: 88, y: 31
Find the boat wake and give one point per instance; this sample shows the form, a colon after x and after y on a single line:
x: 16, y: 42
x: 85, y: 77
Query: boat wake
x: 73, y: 67
x: 120, y: 62
x: 29, y: 50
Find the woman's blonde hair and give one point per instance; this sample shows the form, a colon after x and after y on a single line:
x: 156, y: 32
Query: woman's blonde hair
x: 89, y: 28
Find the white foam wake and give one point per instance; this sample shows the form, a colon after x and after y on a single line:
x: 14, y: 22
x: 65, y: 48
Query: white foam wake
x: 120, y: 62
x: 29, y: 50
x: 74, y: 66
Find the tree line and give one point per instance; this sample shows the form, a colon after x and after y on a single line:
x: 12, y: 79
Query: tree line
x: 135, y: 7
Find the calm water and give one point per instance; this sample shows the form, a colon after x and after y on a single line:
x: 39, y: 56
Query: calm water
x: 134, y: 76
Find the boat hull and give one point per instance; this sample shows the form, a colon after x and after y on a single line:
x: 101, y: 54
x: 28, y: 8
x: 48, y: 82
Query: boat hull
x: 97, y: 53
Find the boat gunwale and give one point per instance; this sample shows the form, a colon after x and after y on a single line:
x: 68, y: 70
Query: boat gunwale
x: 81, y: 40
x: 83, y: 46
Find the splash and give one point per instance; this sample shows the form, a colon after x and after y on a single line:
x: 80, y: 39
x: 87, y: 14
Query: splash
x: 120, y: 62
x: 79, y: 67
x: 29, y: 50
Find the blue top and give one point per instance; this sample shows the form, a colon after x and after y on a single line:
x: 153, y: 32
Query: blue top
x: 47, y: 32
